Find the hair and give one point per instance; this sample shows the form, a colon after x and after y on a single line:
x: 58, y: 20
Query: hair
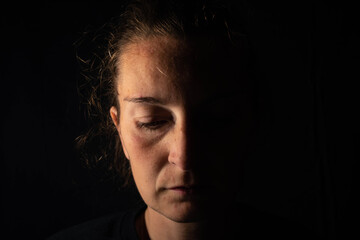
x: 100, y: 146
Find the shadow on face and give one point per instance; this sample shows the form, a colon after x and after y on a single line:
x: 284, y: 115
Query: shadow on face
x: 184, y: 122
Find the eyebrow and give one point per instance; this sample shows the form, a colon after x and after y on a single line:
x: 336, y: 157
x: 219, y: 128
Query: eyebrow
x: 148, y: 100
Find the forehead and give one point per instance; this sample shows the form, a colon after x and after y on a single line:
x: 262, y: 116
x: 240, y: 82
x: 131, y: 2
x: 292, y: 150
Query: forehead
x: 157, y: 47
x: 146, y: 69
x: 172, y: 69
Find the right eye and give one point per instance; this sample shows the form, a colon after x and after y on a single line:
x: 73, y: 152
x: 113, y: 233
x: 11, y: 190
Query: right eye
x: 151, y: 126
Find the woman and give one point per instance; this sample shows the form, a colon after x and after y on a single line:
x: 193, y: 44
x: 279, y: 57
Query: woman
x: 176, y: 88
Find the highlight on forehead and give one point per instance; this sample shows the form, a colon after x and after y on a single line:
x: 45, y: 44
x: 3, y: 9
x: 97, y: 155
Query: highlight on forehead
x: 166, y: 51
x: 154, y: 45
x: 152, y: 67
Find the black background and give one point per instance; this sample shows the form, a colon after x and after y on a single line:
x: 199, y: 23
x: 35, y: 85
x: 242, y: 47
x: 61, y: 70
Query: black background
x: 305, y: 167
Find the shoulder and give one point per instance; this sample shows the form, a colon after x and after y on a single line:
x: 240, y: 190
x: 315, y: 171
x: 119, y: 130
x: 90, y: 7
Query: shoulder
x: 260, y: 224
x: 101, y: 228
x: 114, y: 226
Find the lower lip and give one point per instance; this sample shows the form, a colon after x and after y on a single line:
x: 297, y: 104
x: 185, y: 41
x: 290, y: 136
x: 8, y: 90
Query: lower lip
x: 184, y: 190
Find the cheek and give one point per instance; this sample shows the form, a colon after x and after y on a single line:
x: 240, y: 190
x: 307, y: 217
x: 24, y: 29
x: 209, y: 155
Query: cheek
x: 147, y: 158
x: 147, y: 165
x: 143, y: 147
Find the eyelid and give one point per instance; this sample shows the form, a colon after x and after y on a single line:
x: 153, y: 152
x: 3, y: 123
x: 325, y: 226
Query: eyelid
x: 151, y: 125
x: 146, y: 110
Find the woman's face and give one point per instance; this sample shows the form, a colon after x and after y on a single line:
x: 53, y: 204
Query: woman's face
x: 179, y: 126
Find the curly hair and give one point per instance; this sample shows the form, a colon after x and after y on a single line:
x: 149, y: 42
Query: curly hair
x: 100, y: 146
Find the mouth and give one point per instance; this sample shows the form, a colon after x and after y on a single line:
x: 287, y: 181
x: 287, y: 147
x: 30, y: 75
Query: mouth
x: 192, y: 189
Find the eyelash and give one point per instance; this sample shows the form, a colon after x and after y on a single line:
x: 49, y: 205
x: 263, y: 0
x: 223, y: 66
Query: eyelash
x: 151, y: 126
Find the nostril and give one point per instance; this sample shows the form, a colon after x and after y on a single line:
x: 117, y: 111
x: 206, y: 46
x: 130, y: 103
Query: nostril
x: 180, y: 160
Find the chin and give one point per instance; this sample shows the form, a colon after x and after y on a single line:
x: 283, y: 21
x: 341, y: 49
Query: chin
x: 184, y: 218
x: 183, y: 212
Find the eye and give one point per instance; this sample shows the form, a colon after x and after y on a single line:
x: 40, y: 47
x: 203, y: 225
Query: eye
x: 151, y: 126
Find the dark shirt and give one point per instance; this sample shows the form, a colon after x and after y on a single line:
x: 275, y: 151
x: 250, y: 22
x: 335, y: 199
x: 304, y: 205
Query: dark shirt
x: 119, y: 226
x: 252, y: 224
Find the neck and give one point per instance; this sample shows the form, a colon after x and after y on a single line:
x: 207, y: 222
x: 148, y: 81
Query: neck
x: 160, y: 227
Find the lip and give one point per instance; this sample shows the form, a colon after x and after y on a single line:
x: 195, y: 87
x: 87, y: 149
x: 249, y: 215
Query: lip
x: 192, y: 189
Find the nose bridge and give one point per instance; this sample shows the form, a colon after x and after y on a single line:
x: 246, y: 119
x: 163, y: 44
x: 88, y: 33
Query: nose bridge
x: 179, y: 146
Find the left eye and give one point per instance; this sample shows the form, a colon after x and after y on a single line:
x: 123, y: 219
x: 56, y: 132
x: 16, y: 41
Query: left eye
x: 151, y: 125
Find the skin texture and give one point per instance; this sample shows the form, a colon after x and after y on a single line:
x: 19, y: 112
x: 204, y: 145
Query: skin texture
x: 177, y: 124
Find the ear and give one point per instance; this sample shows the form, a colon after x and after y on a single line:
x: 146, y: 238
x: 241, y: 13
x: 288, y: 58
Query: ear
x: 115, y: 118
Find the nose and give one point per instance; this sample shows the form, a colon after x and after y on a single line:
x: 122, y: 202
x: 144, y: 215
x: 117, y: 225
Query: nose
x: 179, y: 148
